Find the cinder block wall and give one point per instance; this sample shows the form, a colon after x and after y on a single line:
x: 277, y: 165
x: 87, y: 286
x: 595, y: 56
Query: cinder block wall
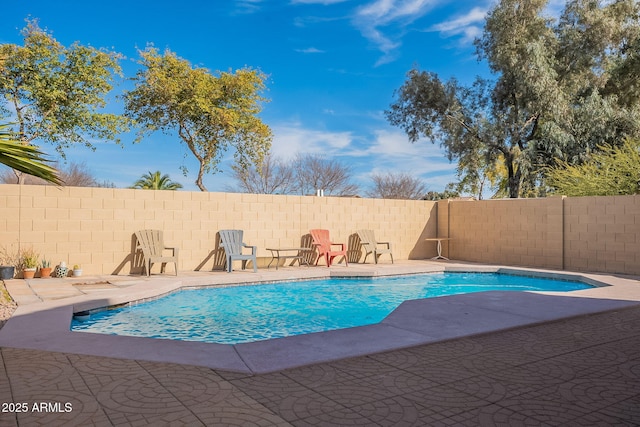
x: 599, y: 234
x: 443, y: 227
x: 524, y: 232
x: 603, y: 234
x: 94, y: 227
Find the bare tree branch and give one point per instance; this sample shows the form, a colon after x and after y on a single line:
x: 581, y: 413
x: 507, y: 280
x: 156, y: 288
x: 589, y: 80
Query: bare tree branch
x: 397, y: 186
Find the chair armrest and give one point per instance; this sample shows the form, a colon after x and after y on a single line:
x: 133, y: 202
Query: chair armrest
x: 174, y: 250
x: 253, y: 248
x: 338, y: 244
x: 385, y: 243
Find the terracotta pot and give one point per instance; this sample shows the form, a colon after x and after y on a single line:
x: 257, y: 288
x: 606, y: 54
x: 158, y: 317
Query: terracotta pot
x: 45, y: 272
x: 29, y: 273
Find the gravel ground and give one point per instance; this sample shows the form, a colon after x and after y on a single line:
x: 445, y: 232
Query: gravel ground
x: 7, y: 305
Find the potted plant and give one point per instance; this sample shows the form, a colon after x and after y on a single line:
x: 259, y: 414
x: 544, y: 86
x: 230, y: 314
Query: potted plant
x: 77, y: 270
x: 45, y: 269
x: 9, y: 260
x: 7, y: 271
x: 29, y: 263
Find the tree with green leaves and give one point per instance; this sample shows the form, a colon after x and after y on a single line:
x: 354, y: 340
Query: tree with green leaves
x: 611, y: 171
x: 156, y: 181
x: 209, y: 113
x: 25, y: 158
x: 448, y: 193
x: 561, y: 89
x: 56, y: 94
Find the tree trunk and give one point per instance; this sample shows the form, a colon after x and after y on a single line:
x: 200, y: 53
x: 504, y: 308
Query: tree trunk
x: 514, y: 187
x: 19, y: 177
x: 513, y: 177
x: 199, y: 178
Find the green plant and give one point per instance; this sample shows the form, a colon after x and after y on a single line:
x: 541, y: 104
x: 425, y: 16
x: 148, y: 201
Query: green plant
x: 610, y: 171
x: 25, y: 158
x: 29, y: 258
x: 45, y: 263
x: 156, y: 181
x: 5, y: 298
x: 76, y: 267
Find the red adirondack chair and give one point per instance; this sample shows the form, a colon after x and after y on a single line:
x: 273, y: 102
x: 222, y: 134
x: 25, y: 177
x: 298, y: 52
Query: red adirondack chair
x: 322, y: 241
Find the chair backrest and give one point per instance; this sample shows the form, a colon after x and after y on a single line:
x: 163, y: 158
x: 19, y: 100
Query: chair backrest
x: 151, y: 242
x: 321, y: 240
x: 231, y: 241
x: 367, y: 239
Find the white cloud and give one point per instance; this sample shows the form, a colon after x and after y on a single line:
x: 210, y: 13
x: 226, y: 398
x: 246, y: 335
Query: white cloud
x: 383, y: 22
x: 310, y: 50
x: 395, y: 145
x: 382, y: 12
x: 389, y: 150
x: 322, y: 2
x: 248, y: 6
x: 291, y: 139
x: 385, y: 150
x: 468, y: 25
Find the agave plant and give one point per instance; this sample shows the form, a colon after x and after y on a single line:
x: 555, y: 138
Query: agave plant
x: 25, y: 158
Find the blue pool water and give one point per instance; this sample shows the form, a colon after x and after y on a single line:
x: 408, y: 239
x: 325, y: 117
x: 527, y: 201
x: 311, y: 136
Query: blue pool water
x: 239, y: 314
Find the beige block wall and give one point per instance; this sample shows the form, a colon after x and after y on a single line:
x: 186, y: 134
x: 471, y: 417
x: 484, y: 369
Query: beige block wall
x: 603, y: 234
x: 600, y: 234
x: 525, y: 232
x: 442, y: 212
x: 94, y: 227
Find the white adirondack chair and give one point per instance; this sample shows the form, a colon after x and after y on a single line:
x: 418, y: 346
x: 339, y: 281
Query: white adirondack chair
x: 152, y: 246
x: 372, y: 246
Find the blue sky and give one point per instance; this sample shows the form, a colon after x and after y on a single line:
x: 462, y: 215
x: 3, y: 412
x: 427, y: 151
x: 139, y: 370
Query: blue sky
x: 333, y: 66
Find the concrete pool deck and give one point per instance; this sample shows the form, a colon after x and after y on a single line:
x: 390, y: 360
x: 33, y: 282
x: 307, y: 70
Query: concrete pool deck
x: 582, y: 370
x: 45, y: 308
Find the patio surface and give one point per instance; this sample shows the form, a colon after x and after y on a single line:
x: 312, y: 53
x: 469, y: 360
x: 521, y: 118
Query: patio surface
x: 484, y: 359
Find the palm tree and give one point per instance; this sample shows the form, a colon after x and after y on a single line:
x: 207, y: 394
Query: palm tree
x: 25, y: 158
x: 156, y: 181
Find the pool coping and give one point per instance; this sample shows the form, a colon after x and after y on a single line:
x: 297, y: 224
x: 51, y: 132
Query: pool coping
x: 45, y: 325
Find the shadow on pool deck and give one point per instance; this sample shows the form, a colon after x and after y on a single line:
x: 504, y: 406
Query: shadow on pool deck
x: 535, y: 368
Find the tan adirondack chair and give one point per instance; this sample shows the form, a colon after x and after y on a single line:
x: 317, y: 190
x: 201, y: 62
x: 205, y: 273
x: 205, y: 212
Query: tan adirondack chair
x: 231, y: 241
x: 152, y: 246
x: 372, y: 246
x: 325, y: 247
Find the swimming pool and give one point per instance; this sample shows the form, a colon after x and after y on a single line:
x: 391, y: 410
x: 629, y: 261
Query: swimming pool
x: 240, y: 314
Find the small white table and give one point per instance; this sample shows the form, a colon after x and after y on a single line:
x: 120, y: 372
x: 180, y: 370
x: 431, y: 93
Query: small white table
x: 439, y: 240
